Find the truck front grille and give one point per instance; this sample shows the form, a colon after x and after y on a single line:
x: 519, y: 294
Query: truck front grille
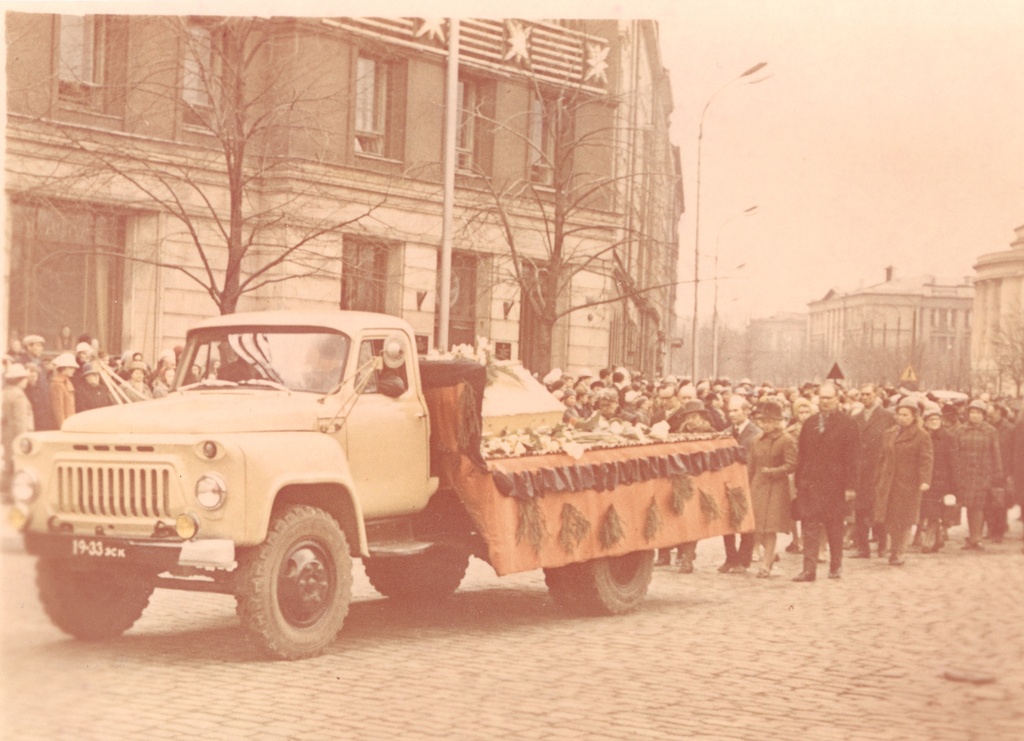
x: 114, y: 490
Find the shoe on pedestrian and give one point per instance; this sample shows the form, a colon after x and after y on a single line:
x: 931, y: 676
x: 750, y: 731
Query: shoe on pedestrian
x: 725, y: 567
x: 763, y: 573
x: 894, y: 561
x: 794, y: 547
x: 861, y: 554
x: 738, y: 569
x: 882, y: 552
x: 835, y: 573
x: 804, y: 576
x: 685, y: 565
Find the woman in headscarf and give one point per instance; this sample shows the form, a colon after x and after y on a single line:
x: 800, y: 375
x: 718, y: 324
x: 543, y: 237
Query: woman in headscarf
x: 933, y: 507
x: 905, y: 473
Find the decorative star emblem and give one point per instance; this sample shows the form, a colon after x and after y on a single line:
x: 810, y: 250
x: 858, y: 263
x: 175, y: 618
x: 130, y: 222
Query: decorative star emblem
x: 432, y: 28
x: 597, y: 63
x: 518, y: 43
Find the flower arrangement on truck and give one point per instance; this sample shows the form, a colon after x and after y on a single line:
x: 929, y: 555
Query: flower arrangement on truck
x: 319, y: 438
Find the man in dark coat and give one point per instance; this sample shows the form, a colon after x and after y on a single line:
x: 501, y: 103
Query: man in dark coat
x: 93, y: 393
x: 737, y: 560
x: 1015, y: 460
x: 871, y: 423
x: 825, y: 476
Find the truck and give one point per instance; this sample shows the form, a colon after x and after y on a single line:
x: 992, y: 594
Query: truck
x: 294, y: 442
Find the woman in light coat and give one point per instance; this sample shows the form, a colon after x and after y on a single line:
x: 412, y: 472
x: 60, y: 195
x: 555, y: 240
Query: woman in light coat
x: 772, y: 460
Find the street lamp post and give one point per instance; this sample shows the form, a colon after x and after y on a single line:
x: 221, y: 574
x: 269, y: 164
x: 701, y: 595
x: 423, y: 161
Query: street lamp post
x: 714, y: 311
x: 696, y: 246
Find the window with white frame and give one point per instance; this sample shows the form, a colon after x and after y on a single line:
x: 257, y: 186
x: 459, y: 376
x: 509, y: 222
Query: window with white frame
x: 198, y: 67
x: 371, y: 106
x: 465, y: 139
x: 81, y: 50
x: 542, y: 141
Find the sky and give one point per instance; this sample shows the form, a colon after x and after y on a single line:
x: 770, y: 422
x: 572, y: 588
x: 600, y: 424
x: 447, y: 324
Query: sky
x: 879, y: 133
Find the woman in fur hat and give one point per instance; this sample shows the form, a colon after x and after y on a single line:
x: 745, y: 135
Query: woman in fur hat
x: 772, y: 460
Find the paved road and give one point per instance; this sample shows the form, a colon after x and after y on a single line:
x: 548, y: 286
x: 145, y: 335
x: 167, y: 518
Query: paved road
x: 707, y: 656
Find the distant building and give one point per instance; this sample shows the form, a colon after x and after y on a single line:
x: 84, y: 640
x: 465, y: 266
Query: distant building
x: 997, y: 348
x: 778, y: 349
x: 879, y: 332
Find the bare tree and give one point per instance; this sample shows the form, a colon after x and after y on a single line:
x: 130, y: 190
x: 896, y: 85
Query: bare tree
x: 1008, y: 350
x: 248, y: 181
x: 551, y: 220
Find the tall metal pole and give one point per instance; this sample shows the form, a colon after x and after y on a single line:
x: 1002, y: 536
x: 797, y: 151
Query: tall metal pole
x: 696, y: 242
x: 451, y: 126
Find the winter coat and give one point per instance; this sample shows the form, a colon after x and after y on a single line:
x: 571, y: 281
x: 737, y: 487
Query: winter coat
x: 1015, y: 462
x: 15, y: 418
x: 870, y: 431
x: 906, y: 465
x: 62, y: 398
x: 772, y: 460
x: 944, y: 452
x: 826, y: 466
x: 979, y: 464
x: 92, y: 397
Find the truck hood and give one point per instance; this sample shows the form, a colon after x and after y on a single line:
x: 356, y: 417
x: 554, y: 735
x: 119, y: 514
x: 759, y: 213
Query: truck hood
x: 206, y: 412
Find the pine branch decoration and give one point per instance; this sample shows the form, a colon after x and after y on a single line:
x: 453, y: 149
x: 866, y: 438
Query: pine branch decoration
x: 652, y: 521
x: 738, y: 506
x: 682, y: 492
x: 531, y: 526
x: 709, y: 507
x: 611, y: 529
x: 574, y: 528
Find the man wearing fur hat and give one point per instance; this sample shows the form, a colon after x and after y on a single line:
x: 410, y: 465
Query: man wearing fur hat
x: 15, y: 419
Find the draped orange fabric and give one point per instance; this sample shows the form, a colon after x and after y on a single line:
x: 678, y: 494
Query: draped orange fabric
x: 645, y: 510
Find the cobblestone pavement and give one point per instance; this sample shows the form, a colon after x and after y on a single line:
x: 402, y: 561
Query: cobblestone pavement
x: 706, y: 656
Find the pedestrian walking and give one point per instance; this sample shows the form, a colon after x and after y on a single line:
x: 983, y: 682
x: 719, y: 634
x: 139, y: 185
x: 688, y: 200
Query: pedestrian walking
x: 872, y: 423
x: 825, y: 476
x: 905, y: 473
x: 802, y: 409
x: 772, y: 460
x: 979, y: 469
x: 737, y: 560
x: 934, y: 502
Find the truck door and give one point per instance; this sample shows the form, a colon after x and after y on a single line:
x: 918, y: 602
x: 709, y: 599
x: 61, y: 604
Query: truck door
x: 388, y: 438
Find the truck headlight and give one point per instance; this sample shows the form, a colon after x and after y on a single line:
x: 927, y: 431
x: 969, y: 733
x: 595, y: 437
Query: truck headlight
x: 25, y: 445
x: 211, y: 490
x: 24, y: 486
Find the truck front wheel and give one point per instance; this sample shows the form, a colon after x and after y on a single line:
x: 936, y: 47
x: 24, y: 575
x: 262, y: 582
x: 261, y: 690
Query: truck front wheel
x: 603, y: 586
x: 91, y: 604
x: 433, y: 575
x: 293, y: 590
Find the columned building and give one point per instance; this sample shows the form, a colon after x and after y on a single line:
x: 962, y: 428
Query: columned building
x: 164, y: 169
x: 878, y: 332
x: 997, y: 349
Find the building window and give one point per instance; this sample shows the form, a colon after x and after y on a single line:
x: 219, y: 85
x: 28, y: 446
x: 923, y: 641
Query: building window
x: 542, y: 140
x: 70, y: 262
x: 465, y: 137
x: 371, y: 106
x: 364, y: 275
x: 80, y: 62
x: 198, y: 70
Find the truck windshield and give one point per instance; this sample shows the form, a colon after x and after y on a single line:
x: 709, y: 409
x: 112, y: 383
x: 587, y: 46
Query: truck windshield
x: 299, y: 359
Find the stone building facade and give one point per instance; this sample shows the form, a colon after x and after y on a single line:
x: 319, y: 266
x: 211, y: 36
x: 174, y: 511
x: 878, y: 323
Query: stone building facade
x: 877, y: 332
x: 997, y: 348
x: 162, y: 169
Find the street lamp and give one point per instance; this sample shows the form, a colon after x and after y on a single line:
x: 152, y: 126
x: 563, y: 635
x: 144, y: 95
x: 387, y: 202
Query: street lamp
x: 696, y: 246
x: 714, y: 312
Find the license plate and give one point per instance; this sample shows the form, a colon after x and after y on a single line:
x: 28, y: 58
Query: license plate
x: 94, y: 548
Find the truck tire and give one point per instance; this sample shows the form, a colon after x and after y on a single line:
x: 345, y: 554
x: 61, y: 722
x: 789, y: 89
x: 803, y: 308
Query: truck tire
x: 293, y: 590
x: 604, y: 586
x: 92, y: 604
x: 430, y: 576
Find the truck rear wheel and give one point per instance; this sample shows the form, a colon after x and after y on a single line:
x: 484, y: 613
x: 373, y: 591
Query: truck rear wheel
x: 91, y: 604
x: 293, y: 590
x: 604, y: 586
x: 433, y: 575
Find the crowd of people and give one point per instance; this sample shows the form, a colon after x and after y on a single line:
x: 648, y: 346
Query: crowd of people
x: 42, y: 389
x: 862, y: 465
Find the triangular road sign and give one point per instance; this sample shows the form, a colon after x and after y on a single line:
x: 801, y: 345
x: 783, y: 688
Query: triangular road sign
x: 909, y: 375
x: 835, y: 374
